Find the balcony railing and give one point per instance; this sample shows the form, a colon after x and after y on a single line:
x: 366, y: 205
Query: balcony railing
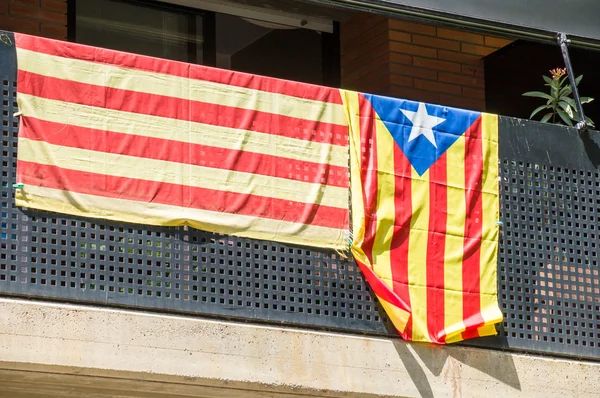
x: 548, y: 275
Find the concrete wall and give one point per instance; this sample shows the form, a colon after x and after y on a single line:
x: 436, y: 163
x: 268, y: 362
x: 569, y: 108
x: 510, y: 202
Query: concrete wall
x: 194, y: 354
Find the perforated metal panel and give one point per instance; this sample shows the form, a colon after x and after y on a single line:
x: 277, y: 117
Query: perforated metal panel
x: 549, y: 280
x: 547, y: 275
x: 175, y: 269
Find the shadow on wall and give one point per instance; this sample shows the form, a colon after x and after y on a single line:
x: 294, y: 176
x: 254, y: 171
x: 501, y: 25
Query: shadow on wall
x: 440, y: 362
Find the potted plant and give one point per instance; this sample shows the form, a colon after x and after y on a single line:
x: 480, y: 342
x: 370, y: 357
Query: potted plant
x: 560, y: 107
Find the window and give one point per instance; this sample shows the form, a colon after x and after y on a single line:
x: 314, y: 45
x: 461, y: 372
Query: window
x: 142, y: 28
x: 239, y: 40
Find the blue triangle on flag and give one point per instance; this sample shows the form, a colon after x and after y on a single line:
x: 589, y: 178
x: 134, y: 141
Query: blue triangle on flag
x: 422, y: 148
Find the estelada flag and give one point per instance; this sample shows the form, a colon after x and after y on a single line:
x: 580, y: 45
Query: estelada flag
x: 106, y: 134
x: 424, y: 183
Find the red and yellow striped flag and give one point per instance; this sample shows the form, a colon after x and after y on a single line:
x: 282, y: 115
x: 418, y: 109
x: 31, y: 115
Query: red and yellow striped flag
x: 424, y: 182
x: 105, y: 134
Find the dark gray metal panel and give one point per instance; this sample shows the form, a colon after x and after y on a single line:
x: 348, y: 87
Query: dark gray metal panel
x: 548, y: 268
x: 574, y: 17
x: 548, y: 271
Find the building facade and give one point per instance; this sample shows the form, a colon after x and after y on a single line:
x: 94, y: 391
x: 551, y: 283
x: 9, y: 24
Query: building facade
x: 107, y: 309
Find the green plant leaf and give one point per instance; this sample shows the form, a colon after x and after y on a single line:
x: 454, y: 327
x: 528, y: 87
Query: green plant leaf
x: 538, y: 94
x: 564, y: 117
x: 546, y: 117
x: 569, y: 101
x: 578, y: 80
x: 565, y: 91
x: 537, y: 110
x: 567, y: 108
x: 548, y: 79
x: 590, y: 121
x: 586, y: 100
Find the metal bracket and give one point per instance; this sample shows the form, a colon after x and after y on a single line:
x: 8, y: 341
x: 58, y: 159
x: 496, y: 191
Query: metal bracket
x: 564, y: 42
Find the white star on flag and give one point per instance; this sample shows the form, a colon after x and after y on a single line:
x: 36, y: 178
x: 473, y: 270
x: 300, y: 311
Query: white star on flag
x: 423, y: 123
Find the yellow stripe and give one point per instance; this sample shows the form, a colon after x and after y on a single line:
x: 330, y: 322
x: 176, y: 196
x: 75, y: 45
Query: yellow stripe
x: 398, y: 316
x: 455, y: 231
x: 417, y: 255
x: 489, y: 245
x: 180, y: 130
x: 352, y: 108
x: 182, y: 174
x: 178, y: 87
x: 386, y: 210
x: 91, y: 206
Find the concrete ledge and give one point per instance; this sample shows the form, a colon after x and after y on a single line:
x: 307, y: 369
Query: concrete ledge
x: 196, y: 357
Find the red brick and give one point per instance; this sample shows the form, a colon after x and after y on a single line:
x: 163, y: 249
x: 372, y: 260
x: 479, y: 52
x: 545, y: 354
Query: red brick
x: 436, y: 43
x: 414, y: 94
x: 363, y: 40
x: 430, y: 85
x: 472, y: 70
x: 351, y: 35
x: 400, y: 80
x: 55, y: 5
x: 413, y: 72
x: 497, y: 42
x: 375, y: 81
x: 474, y: 93
x: 460, y: 57
x: 365, y: 65
x: 53, y: 31
x: 460, y: 79
x: 17, y: 10
x: 477, y: 50
x: 460, y: 36
x: 34, y: 3
x: 19, y: 25
x: 401, y: 58
x: 400, y: 36
x: 436, y: 64
x: 412, y: 27
x: 372, y: 49
x: 412, y: 49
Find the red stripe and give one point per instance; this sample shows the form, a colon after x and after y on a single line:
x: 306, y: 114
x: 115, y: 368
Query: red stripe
x: 381, y: 289
x: 368, y: 150
x: 182, y: 152
x: 181, y: 109
x: 369, y: 178
x: 180, y: 69
x: 473, y: 230
x: 401, y: 234
x: 436, y: 244
x: 35, y: 174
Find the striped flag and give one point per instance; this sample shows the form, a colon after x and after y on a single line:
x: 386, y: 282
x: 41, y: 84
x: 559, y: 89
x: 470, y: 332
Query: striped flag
x: 424, y: 182
x: 105, y: 134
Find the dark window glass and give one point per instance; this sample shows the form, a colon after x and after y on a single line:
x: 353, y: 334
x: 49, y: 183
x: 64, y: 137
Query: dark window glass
x: 139, y: 28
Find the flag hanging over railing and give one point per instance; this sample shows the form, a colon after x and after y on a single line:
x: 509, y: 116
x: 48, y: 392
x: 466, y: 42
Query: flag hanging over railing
x: 424, y: 182
x: 118, y: 136
x: 106, y: 134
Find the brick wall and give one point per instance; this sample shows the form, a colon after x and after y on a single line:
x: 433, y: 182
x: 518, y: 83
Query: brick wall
x: 46, y: 18
x: 416, y: 61
x: 365, y: 53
